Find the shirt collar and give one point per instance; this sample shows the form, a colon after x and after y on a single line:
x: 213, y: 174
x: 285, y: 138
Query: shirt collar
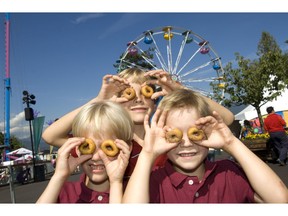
x: 85, y: 193
x: 177, y: 178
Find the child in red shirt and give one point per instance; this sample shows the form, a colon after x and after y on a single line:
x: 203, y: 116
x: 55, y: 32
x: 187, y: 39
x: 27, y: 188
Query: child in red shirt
x: 188, y: 177
x: 102, y: 181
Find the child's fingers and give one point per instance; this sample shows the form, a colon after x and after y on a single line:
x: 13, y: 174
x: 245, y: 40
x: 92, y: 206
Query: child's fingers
x: 146, y: 122
x: 70, y: 144
x: 123, y: 146
x: 162, y: 119
x: 218, y: 117
x: 155, y: 118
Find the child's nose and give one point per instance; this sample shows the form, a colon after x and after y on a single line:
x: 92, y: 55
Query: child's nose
x: 186, y: 142
x: 139, y: 96
x: 95, y: 155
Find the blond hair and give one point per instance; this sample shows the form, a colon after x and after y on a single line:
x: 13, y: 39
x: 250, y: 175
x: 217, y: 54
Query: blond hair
x: 185, y: 99
x: 137, y: 76
x: 105, y: 117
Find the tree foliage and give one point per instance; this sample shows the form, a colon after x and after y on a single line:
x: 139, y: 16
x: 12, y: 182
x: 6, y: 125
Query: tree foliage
x: 14, y: 143
x: 257, y: 81
x: 135, y: 59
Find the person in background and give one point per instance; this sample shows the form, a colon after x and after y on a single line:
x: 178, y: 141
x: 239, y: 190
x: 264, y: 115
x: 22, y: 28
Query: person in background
x: 274, y: 124
x: 53, y: 161
x: 246, y: 129
x: 187, y: 176
x: 102, y: 177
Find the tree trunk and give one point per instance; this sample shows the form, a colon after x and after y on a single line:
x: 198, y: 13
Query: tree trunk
x: 260, y: 119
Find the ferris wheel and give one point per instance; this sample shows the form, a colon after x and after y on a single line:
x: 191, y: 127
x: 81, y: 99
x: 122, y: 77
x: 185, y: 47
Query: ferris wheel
x: 188, y: 57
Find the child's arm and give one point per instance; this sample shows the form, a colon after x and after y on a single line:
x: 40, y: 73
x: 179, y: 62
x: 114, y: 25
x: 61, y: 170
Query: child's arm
x: 57, y: 133
x: 115, y: 168
x: 268, y: 187
x: 266, y: 184
x: 167, y: 84
x: 64, y: 167
x: 155, y: 144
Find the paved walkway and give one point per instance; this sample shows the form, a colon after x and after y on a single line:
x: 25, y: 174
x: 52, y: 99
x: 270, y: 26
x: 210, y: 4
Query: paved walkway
x: 30, y: 192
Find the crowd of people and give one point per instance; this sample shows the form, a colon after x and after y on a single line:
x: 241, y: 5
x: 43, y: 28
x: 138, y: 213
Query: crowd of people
x: 148, y: 168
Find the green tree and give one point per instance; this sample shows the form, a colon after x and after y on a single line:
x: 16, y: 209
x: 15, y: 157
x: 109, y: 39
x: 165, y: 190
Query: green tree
x: 14, y: 142
x: 256, y: 81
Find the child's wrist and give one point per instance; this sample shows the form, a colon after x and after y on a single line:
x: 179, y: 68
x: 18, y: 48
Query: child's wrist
x: 231, y: 145
x: 59, y: 177
x: 148, y: 156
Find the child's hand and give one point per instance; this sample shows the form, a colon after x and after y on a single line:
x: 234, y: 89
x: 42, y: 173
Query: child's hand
x: 116, y: 166
x: 111, y: 87
x: 164, y: 80
x: 155, y: 142
x: 65, y: 163
x: 217, y: 132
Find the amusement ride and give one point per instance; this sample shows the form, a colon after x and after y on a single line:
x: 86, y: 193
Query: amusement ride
x: 188, y: 57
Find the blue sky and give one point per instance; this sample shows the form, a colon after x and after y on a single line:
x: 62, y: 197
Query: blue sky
x: 61, y: 57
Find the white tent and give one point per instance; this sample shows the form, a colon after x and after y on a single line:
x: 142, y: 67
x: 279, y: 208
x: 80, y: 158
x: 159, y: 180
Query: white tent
x: 25, y: 157
x: 20, y: 151
x: 279, y: 104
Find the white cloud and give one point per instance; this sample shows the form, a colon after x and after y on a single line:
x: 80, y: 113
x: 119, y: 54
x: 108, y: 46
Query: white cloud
x: 86, y: 17
x: 18, y: 126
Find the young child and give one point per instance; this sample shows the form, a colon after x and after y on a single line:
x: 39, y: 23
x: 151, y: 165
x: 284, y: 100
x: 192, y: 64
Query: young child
x: 112, y: 87
x: 102, y: 180
x: 188, y: 177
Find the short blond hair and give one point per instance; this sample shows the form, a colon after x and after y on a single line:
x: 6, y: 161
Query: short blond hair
x: 105, y: 117
x: 185, y: 99
x: 137, y: 76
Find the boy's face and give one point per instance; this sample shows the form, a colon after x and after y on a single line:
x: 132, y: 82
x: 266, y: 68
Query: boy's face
x: 187, y: 157
x: 139, y: 106
x: 94, y: 168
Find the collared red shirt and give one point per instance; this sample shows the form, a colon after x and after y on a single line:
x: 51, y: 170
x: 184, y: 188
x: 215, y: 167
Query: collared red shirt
x: 274, y: 122
x: 78, y: 192
x: 136, y: 149
x: 223, y: 182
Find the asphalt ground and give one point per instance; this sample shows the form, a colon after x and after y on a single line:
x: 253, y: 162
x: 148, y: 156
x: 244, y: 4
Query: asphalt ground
x: 30, y: 192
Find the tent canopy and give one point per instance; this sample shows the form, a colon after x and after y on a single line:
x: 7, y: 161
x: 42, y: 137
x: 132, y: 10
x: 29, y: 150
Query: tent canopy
x: 279, y: 104
x: 20, y: 151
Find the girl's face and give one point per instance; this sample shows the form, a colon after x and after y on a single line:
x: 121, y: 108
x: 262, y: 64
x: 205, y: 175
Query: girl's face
x: 187, y: 157
x: 139, y: 106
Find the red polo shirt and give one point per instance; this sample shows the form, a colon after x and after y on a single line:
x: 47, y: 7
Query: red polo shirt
x: 274, y: 122
x: 223, y: 182
x: 136, y: 149
x: 77, y: 192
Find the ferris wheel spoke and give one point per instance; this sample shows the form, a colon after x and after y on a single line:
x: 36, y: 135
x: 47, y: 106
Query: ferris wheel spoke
x: 201, y: 91
x: 189, y: 60
x: 158, y: 53
x: 169, y: 49
x: 198, y: 80
x: 180, y: 53
x: 162, y: 63
x: 150, y: 62
x: 195, y: 69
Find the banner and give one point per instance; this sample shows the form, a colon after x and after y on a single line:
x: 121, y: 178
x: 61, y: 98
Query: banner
x: 38, y: 123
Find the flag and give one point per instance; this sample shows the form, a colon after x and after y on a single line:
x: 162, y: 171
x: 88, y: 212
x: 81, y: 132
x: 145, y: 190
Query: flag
x: 38, y: 123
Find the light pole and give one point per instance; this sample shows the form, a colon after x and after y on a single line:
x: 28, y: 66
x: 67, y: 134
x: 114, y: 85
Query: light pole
x: 29, y: 116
